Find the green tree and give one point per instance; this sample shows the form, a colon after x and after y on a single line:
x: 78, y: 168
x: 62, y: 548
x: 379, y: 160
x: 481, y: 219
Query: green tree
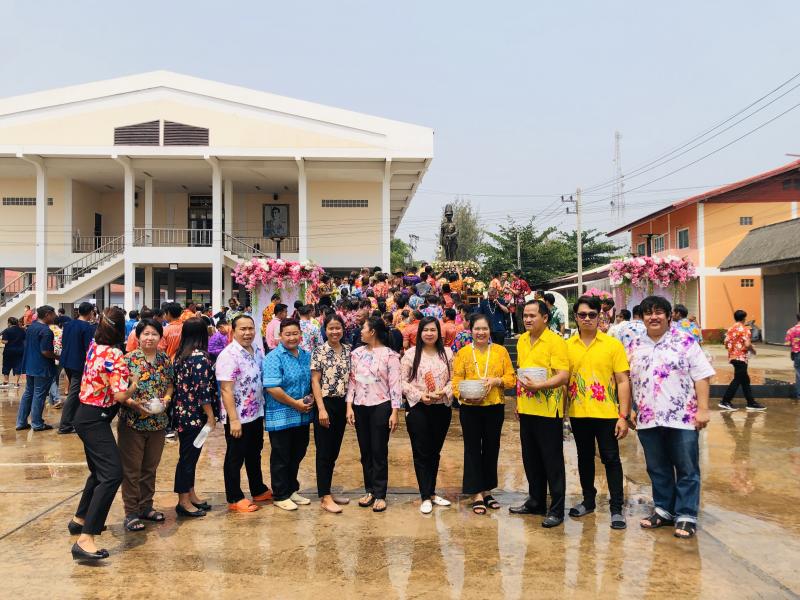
x: 542, y: 255
x: 400, y: 254
x: 596, y: 251
x: 470, y: 232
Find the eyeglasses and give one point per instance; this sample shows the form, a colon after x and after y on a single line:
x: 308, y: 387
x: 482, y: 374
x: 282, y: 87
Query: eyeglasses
x: 586, y: 315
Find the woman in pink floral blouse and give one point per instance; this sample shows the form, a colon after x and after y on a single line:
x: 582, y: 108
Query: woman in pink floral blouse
x: 426, y: 374
x: 374, y: 395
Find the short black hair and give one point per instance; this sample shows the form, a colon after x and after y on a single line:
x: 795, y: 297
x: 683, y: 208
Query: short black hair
x: 305, y: 309
x: 140, y: 327
x: 450, y: 313
x: 548, y: 297
x: 173, y: 309
x: 280, y: 307
x: 625, y: 314
x: 544, y: 310
x: 652, y: 303
x: 739, y: 316
x: 609, y: 301
x: 85, y: 308
x: 637, y: 311
x: 44, y: 310
x: 134, y: 314
x: 289, y: 323
x: 61, y: 311
x: 681, y: 310
x: 592, y: 302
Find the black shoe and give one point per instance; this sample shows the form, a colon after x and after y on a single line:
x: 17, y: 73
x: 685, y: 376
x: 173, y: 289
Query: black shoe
x: 580, y: 510
x: 552, y: 521
x: 756, y: 406
x: 79, y: 553
x: 202, y: 505
x: 182, y: 512
x: 23, y: 427
x: 524, y: 509
x: 63, y: 430
x: 44, y: 427
x: 726, y: 406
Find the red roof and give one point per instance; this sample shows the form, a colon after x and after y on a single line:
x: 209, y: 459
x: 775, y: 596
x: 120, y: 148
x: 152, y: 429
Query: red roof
x: 708, y: 195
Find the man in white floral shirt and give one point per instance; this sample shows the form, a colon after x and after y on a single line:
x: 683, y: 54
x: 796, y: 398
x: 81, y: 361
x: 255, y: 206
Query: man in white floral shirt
x: 670, y: 377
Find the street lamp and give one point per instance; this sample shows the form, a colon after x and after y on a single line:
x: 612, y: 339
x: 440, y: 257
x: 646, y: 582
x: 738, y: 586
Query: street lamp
x: 278, y: 239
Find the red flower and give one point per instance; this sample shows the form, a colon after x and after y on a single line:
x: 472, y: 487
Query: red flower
x: 598, y: 391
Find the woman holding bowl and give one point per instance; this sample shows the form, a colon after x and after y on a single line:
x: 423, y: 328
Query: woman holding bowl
x: 481, y: 372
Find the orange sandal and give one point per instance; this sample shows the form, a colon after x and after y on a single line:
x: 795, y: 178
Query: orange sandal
x: 265, y: 497
x: 243, y: 506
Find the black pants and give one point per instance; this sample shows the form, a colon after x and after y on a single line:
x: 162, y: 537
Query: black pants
x: 543, y: 458
x: 372, y: 430
x: 481, y: 427
x: 498, y: 337
x: 740, y: 377
x: 288, y: 449
x: 519, y: 326
x: 427, y: 426
x: 586, y: 430
x: 93, y: 425
x: 72, y: 401
x: 246, y: 449
x: 188, y: 456
x: 328, y: 441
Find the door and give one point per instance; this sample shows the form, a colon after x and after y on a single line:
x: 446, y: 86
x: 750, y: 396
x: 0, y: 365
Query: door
x: 98, y: 230
x: 199, y: 220
x: 780, y: 306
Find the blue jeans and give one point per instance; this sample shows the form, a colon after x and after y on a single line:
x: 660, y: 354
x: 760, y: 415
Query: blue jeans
x: 673, y: 464
x: 54, y: 392
x: 32, y: 401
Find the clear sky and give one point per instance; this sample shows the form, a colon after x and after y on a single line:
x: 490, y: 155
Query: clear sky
x: 524, y: 96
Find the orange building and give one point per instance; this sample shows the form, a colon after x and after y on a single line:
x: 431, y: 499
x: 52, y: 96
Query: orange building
x: 707, y: 227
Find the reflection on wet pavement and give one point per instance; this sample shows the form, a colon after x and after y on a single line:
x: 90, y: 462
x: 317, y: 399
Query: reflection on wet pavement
x: 748, y: 545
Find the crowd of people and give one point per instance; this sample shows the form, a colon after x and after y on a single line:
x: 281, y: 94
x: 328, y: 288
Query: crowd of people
x: 359, y: 354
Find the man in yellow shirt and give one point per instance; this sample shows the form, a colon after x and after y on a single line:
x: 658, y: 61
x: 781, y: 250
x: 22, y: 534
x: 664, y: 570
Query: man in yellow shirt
x: 599, y: 395
x: 540, y: 407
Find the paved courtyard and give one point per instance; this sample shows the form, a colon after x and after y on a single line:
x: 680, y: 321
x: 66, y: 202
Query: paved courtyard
x: 748, y: 545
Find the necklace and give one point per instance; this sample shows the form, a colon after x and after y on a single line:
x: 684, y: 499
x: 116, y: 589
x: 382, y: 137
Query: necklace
x: 492, y: 307
x: 475, y: 361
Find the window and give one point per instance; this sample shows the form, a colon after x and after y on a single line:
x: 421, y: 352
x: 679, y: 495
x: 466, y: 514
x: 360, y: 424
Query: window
x: 747, y: 283
x: 683, y: 238
x: 658, y: 244
x: 641, y: 249
x: 24, y: 201
x: 345, y: 203
x: 745, y: 220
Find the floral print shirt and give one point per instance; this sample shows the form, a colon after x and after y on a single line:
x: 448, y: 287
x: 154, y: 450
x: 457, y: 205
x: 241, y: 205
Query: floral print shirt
x: 105, y: 373
x: 374, y: 377
x: 236, y: 364
x: 737, y: 340
x: 433, y: 374
x: 195, y: 386
x: 463, y: 338
x: 433, y: 311
x: 663, y: 373
x: 311, y: 335
x: 628, y: 332
x: 592, y: 388
x: 154, y: 379
x: 693, y: 329
x: 793, y: 339
x: 334, y: 368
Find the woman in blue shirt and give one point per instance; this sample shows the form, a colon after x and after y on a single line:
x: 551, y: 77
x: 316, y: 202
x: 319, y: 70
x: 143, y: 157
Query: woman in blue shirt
x: 287, y: 381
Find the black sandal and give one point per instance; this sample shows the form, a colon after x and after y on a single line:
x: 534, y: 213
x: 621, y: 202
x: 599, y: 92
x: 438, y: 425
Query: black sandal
x: 655, y: 521
x: 687, y: 526
x: 133, y: 524
x: 370, y: 501
x: 491, y: 502
x: 478, y: 507
x: 376, y: 508
x: 153, y: 515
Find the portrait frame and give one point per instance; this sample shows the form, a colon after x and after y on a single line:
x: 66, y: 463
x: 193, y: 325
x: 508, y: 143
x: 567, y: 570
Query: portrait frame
x: 275, y: 220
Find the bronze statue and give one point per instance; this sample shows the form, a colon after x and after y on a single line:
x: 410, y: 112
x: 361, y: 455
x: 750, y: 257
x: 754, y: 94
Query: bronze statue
x: 448, y: 237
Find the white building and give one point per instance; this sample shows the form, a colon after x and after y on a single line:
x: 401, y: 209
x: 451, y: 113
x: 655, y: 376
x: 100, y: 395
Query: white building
x: 164, y: 182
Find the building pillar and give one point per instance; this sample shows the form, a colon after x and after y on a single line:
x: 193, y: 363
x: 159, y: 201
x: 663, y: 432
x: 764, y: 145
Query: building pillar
x: 41, y: 227
x: 68, y: 232
x: 148, y: 214
x: 302, y: 208
x: 227, y: 284
x: 386, y: 217
x: 149, y: 297
x: 171, y: 288
x: 106, y: 296
x: 228, y: 201
x: 128, y: 225
x: 216, y: 231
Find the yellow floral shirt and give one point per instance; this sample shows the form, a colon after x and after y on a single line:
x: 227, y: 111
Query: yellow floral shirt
x: 465, y: 367
x: 592, y: 386
x: 549, y: 352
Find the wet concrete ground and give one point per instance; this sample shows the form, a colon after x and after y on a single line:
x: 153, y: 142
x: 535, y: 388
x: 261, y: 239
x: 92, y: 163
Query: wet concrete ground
x: 748, y: 545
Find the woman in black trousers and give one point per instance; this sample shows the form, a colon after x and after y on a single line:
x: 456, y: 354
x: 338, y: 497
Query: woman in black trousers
x: 103, y: 388
x: 330, y: 371
x: 427, y: 387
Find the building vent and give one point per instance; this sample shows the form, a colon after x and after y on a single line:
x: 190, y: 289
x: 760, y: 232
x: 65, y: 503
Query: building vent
x: 27, y: 201
x: 178, y: 134
x: 345, y: 203
x: 141, y: 134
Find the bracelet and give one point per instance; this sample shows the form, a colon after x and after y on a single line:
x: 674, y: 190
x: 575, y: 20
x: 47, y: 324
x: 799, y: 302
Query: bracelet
x: 626, y: 417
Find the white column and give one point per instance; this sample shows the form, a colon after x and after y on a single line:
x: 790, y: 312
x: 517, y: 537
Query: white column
x: 227, y: 284
x: 216, y: 232
x: 302, y: 209
x: 228, y: 201
x: 148, y: 212
x: 386, y: 217
x: 128, y: 225
x: 41, y: 227
x: 148, y: 286
x: 68, y: 215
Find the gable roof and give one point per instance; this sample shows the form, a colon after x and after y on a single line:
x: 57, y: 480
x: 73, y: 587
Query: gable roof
x: 768, y: 245
x: 710, y: 195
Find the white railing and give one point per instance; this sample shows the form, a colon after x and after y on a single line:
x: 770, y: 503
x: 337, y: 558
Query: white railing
x: 90, y: 243
x: 267, y: 246
x: 77, y: 269
x: 171, y: 237
x: 16, y: 287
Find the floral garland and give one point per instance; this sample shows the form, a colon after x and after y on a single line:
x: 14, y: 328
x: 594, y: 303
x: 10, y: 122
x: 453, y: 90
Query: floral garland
x: 473, y: 286
x: 276, y: 271
x: 465, y: 267
x: 647, y: 272
x: 602, y: 294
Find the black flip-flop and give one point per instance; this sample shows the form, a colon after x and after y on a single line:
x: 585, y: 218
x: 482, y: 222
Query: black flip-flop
x: 655, y: 521
x: 687, y: 526
x: 478, y: 507
x: 153, y: 515
x: 491, y: 502
x: 133, y: 524
x: 368, y: 503
x: 379, y: 509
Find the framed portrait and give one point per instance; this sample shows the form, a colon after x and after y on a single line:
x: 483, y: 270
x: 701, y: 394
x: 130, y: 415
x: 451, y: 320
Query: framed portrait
x: 276, y: 220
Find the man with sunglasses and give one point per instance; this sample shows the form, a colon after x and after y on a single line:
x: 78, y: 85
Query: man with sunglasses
x: 599, y: 406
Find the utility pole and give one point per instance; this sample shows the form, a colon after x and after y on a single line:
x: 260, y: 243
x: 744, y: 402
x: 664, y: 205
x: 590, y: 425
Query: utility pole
x: 519, y: 254
x: 576, y: 200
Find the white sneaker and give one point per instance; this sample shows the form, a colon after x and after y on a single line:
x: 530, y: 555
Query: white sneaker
x: 5, y: 385
x: 439, y: 501
x: 298, y: 499
x: 426, y: 507
x: 287, y: 504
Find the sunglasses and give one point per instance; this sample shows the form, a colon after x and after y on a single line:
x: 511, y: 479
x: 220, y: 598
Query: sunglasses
x: 586, y: 315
